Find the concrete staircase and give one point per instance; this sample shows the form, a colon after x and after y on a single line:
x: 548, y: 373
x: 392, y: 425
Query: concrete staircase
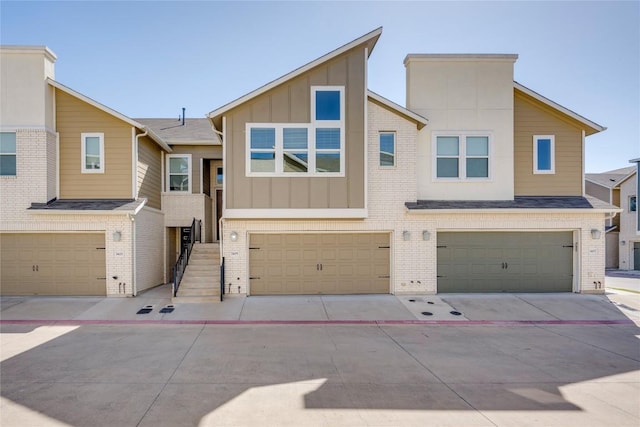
x: 201, y: 280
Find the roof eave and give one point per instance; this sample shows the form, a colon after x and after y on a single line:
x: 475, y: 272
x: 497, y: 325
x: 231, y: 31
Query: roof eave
x: 370, y: 39
x: 420, y: 121
x: 595, y: 127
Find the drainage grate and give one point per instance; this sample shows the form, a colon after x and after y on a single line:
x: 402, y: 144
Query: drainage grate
x: 456, y: 313
x: 145, y: 310
x: 427, y: 313
x: 167, y: 309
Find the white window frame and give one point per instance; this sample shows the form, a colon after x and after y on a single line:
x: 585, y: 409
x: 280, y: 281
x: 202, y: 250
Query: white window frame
x: 311, y: 142
x: 189, y: 173
x: 535, y: 155
x: 395, y: 148
x: 633, y: 196
x: 462, y: 156
x: 83, y: 151
x: 14, y: 154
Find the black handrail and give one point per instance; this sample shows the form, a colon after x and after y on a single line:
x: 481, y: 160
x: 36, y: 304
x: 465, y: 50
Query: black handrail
x: 222, y: 280
x: 185, y: 252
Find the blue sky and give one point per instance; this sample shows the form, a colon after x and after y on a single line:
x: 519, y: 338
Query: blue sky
x: 151, y: 58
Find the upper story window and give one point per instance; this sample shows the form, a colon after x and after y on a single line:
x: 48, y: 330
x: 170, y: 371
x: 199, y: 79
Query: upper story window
x: 301, y: 149
x: 387, y: 148
x: 633, y: 207
x: 219, y: 176
x: 544, y: 154
x: 8, y: 154
x: 462, y: 156
x: 179, y: 172
x: 92, y: 152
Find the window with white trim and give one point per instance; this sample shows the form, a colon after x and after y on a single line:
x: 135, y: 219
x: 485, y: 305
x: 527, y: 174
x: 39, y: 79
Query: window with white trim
x: 462, y: 156
x: 387, y: 148
x: 8, y: 158
x: 544, y: 157
x: 301, y: 149
x: 92, y: 152
x: 179, y: 173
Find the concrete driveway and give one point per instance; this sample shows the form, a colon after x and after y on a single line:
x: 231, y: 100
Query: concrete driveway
x: 507, y: 360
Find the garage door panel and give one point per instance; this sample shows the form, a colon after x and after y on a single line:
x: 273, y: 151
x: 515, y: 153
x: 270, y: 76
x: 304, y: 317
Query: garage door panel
x: 325, y: 264
x: 513, y: 262
x: 53, y: 264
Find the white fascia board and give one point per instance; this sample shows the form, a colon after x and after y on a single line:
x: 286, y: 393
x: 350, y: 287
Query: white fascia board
x: 372, y: 36
x: 559, y: 107
x: 82, y: 212
x: 460, y: 57
x: 109, y: 111
x: 28, y: 50
x: 400, y: 109
x: 295, y: 213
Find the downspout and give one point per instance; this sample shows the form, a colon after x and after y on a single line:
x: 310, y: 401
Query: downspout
x: 135, y: 147
x: 134, y: 254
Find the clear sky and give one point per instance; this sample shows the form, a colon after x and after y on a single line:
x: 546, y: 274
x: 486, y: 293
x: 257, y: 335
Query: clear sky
x: 151, y: 58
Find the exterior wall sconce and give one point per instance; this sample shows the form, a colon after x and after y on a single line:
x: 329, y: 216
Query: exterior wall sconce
x: 406, y: 235
x: 426, y: 235
x: 624, y: 242
x: 117, y: 235
x: 595, y: 233
x: 233, y: 236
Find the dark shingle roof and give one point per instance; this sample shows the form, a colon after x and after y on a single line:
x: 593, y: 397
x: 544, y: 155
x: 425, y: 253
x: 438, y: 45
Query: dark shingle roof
x: 519, y: 202
x: 610, y: 179
x: 89, y: 205
x: 196, y: 131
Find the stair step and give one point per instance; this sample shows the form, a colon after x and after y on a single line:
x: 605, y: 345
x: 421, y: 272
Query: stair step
x: 197, y: 292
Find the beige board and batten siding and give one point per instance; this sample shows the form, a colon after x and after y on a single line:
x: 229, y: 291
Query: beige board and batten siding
x: 149, y: 172
x: 52, y: 264
x: 531, y: 117
x: 75, y: 117
x: 198, y: 152
x: 290, y: 103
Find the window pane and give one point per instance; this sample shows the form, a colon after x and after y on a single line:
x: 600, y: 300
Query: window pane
x: 264, y: 138
x: 447, y: 168
x: 178, y: 164
x: 327, y: 105
x: 327, y: 162
x: 7, y: 142
x: 263, y: 162
x: 447, y: 145
x: 92, y: 152
x: 178, y: 183
x: 8, y: 165
x: 327, y: 139
x: 295, y: 139
x: 477, y: 146
x: 633, y: 204
x: 296, y: 162
x: 387, y: 149
x: 219, y: 176
x: 477, y: 168
x: 544, y: 154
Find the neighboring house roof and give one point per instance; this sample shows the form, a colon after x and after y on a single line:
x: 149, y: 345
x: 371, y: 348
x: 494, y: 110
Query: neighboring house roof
x: 418, y: 119
x: 611, y: 179
x: 193, y: 131
x: 519, y: 202
x: 592, y: 127
x: 109, y: 111
x: 109, y: 206
x: 370, y: 39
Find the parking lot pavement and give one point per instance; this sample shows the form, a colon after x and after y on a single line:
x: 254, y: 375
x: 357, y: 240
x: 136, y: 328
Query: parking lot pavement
x: 464, y: 374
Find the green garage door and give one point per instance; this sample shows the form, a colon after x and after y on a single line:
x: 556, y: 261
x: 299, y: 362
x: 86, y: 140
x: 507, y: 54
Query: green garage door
x: 505, y: 262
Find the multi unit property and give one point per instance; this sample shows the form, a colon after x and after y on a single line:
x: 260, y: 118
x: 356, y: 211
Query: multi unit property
x: 310, y: 184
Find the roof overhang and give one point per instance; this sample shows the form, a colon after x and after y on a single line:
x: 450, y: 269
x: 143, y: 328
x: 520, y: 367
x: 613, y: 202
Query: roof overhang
x: 591, y: 126
x: 111, y: 112
x: 369, y: 39
x: 418, y: 119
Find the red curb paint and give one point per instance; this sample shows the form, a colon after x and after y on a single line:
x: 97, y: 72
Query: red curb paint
x: 319, y: 322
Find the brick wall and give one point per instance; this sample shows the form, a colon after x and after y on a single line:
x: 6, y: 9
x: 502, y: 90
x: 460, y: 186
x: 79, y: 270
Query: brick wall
x: 149, y: 245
